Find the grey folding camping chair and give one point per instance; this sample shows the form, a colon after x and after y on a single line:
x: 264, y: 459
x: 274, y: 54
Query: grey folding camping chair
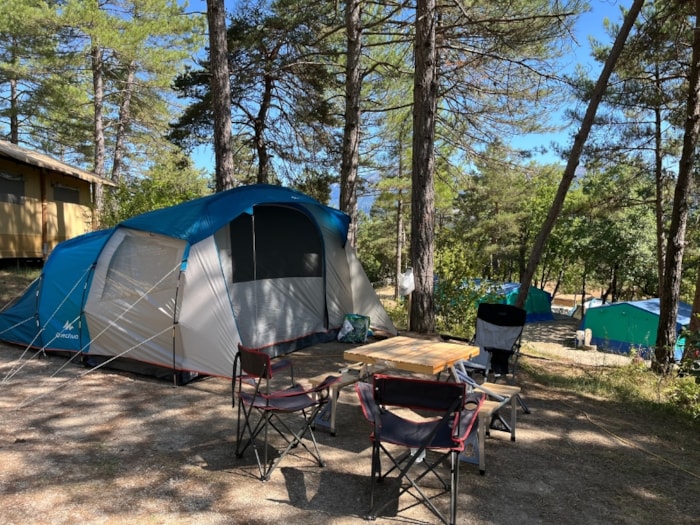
x: 499, y: 329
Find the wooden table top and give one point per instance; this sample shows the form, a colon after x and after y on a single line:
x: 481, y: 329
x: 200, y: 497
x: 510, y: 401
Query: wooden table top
x: 410, y: 354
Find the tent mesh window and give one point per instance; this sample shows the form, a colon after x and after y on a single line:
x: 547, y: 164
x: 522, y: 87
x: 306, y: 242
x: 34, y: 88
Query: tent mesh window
x: 68, y: 194
x: 273, y: 243
x: 128, y: 275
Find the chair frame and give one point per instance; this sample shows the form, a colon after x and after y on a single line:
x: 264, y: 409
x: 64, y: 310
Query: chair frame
x: 251, y: 386
x: 490, y: 317
x: 496, y: 392
x: 499, y: 397
x: 456, y: 412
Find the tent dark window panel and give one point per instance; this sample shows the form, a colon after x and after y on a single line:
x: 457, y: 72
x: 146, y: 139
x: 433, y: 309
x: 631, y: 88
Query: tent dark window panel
x: 276, y: 242
x: 242, y: 262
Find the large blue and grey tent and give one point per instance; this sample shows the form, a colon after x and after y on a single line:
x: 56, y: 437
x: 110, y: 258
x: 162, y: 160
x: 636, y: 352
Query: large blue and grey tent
x: 180, y: 287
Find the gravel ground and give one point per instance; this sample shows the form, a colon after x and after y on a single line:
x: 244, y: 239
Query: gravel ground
x: 115, y: 448
x: 556, y: 340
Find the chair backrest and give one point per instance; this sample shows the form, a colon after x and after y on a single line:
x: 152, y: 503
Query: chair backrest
x: 418, y: 394
x: 499, y: 326
x: 450, y: 399
x: 255, y: 363
x: 482, y: 360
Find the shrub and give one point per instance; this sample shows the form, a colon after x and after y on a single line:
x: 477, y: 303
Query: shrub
x: 456, y: 303
x: 685, y: 394
x: 398, y: 312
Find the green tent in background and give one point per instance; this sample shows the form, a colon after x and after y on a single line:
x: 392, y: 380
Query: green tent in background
x: 538, y: 304
x: 475, y: 291
x: 632, y: 325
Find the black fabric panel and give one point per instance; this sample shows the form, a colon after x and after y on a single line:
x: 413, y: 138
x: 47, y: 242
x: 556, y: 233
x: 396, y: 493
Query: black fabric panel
x: 287, y: 347
x: 287, y: 244
x: 501, y: 314
x: 241, y: 249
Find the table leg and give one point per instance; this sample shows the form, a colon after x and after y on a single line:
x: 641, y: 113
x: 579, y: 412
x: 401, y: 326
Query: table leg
x: 513, y: 415
x: 484, y: 421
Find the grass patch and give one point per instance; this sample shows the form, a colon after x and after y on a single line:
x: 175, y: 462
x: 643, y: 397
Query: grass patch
x: 635, y: 385
x: 14, y: 280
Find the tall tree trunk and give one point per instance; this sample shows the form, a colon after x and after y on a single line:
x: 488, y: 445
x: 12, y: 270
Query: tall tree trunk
x: 351, y: 132
x: 123, y: 124
x: 399, y: 241
x: 670, y: 292
x: 98, y: 131
x: 577, y: 150
x: 422, y: 315
x: 659, y: 198
x: 583, y: 293
x: 14, y: 97
x: 14, y: 112
x: 221, y: 93
x: 98, y: 102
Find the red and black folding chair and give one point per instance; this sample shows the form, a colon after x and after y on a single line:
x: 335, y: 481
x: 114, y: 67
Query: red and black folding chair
x: 418, y: 416
x: 261, y: 408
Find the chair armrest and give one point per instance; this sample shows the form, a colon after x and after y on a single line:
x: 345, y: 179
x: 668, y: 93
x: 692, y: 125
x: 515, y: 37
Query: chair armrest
x: 370, y: 409
x: 300, y: 389
x: 328, y: 382
x: 282, y: 364
x: 468, y: 415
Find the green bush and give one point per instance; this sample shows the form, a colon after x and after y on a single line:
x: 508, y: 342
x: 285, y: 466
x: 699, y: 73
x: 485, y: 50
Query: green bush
x: 398, y: 312
x: 456, y: 302
x: 685, y: 394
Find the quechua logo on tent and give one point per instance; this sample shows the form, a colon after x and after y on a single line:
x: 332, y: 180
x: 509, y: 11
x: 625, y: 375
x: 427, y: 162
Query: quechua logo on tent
x: 67, y: 332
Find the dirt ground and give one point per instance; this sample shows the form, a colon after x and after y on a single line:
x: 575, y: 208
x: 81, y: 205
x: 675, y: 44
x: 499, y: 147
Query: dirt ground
x: 115, y: 448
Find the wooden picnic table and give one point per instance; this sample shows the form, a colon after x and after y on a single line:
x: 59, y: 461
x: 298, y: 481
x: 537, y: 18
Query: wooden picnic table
x: 411, y: 354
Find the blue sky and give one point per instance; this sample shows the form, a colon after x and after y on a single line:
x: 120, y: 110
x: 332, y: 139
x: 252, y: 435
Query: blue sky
x: 589, y: 24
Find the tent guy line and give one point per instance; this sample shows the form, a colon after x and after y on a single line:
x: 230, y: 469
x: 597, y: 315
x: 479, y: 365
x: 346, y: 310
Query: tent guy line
x: 16, y: 369
x: 628, y: 442
x: 70, y: 380
x: 41, y: 328
x: 110, y: 325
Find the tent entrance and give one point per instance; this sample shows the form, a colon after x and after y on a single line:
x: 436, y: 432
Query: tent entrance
x: 276, y: 275
x: 276, y: 242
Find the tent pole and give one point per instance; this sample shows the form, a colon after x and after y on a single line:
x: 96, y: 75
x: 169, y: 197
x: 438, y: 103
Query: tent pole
x: 83, y: 300
x: 175, y: 321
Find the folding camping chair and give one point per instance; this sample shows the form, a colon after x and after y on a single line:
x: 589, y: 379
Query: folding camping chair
x: 454, y: 416
x: 499, y: 328
x: 272, y: 408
